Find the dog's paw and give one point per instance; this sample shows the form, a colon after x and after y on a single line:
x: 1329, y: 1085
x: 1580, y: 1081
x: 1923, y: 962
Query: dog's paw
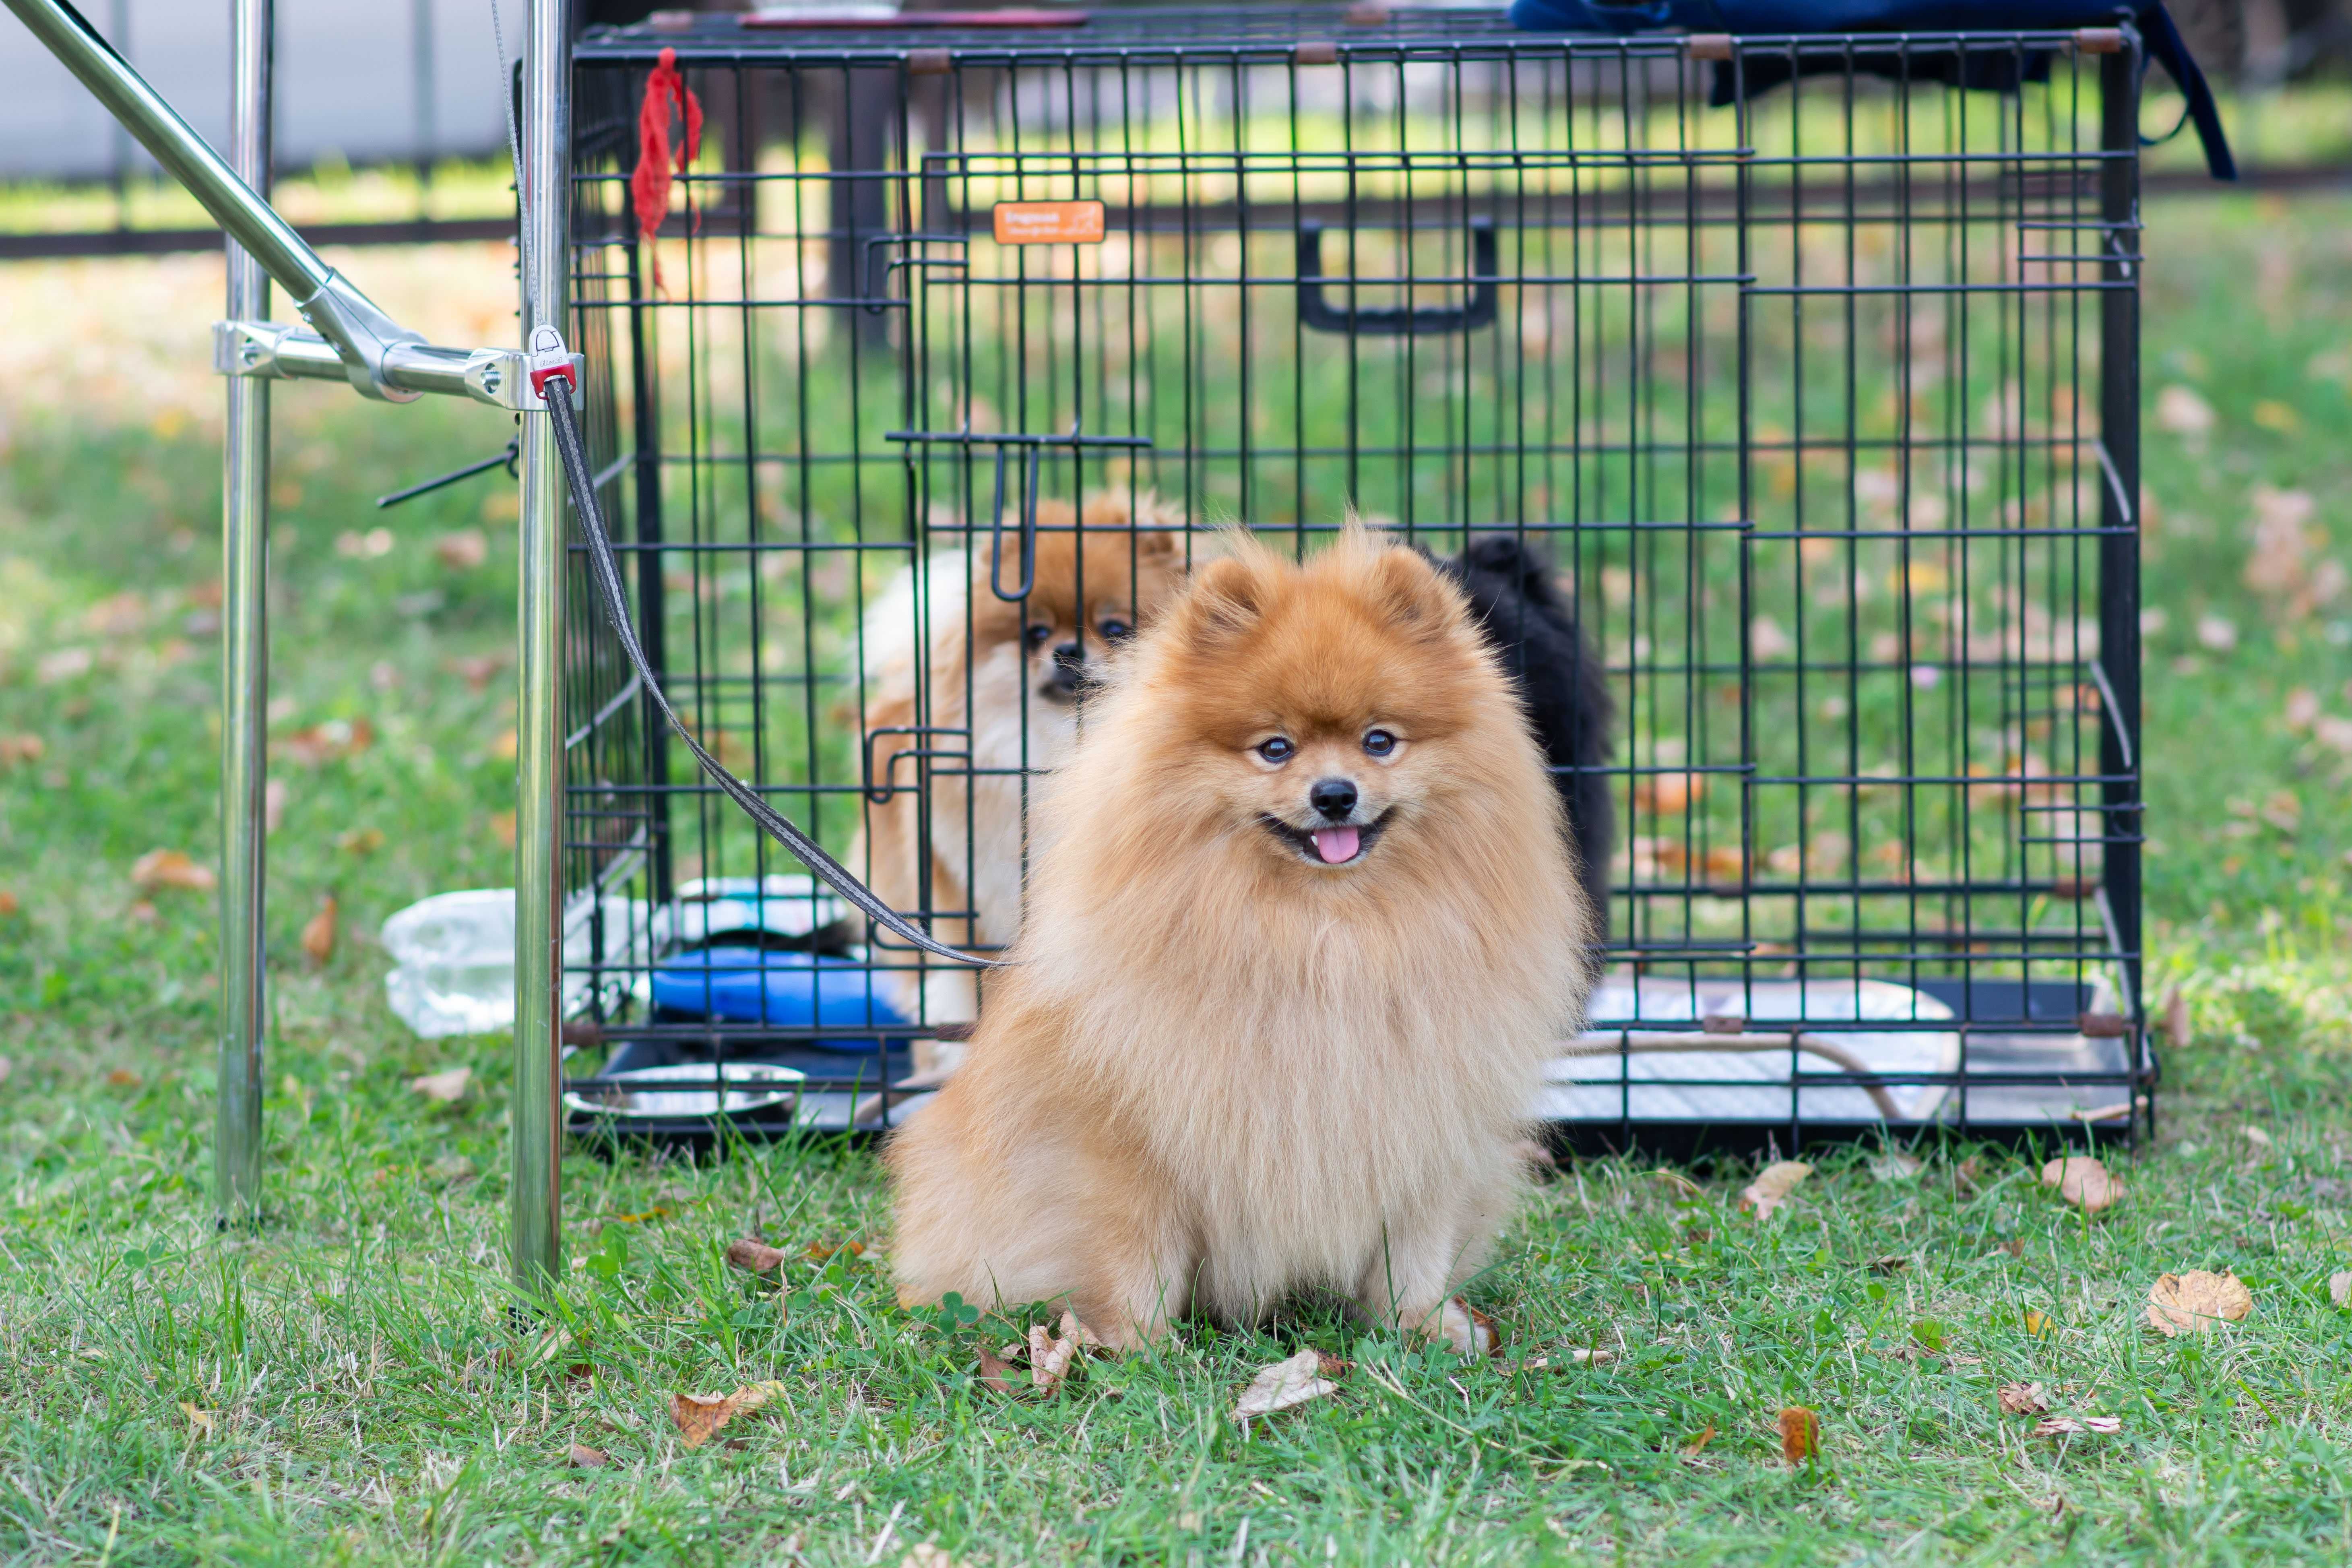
x: 1470, y: 1331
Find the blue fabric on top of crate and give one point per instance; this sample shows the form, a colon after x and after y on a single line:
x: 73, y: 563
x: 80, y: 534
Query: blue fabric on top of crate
x: 779, y: 990
x: 1999, y: 69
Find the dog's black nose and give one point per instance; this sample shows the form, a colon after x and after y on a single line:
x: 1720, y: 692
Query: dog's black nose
x: 1069, y: 671
x: 1335, y: 798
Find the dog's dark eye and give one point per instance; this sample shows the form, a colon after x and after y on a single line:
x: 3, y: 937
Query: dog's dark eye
x: 1277, y: 749
x: 1038, y: 634
x: 1379, y: 743
x: 1116, y: 630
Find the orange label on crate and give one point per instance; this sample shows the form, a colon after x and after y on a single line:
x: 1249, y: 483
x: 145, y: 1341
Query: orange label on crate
x: 1049, y: 223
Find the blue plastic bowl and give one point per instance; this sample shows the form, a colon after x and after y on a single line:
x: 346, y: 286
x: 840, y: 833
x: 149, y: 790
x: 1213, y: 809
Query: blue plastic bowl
x: 780, y: 990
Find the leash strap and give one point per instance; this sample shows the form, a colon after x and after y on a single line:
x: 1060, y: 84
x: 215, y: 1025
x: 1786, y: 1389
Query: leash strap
x: 554, y: 385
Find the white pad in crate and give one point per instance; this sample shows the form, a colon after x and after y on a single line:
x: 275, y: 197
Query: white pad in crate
x: 1691, y: 1083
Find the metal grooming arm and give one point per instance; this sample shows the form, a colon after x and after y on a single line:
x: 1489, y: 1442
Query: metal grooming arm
x: 350, y: 338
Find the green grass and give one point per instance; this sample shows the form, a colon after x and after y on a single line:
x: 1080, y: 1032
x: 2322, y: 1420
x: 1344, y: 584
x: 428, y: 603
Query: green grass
x: 373, y: 1399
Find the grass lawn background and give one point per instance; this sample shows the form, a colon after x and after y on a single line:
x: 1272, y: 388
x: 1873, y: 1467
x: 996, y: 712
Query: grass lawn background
x: 369, y: 1401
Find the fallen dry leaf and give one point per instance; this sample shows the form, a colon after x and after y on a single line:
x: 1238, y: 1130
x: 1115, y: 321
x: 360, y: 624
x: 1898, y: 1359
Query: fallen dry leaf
x: 26, y: 748
x: 996, y: 1371
x: 2284, y: 811
x: 2197, y: 1301
x: 2067, y: 1426
x: 2040, y: 1325
x: 200, y: 1422
x: 1577, y: 1356
x: 123, y: 1078
x: 2083, y: 1181
x: 819, y: 1251
x: 1305, y: 1376
x: 170, y: 869
x: 475, y: 672
x: 445, y: 1086
x: 359, y: 840
x: 327, y: 743
x: 2176, y: 1017
x: 2181, y: 412
x: 1683, y: 1186
x: 584, y: 1457
x: 1772, y: 1186
x: 1486, y: 1333
x: 318, y: 935
x: 1894, y: 1165
x: 754, y: 1257
x: 1668, y: 794
x: 1077, y: 1333
x: 8, y: 905
x: 2339, y: 1289
x: 1889, y: 1263
x: 63, y: 665
x: 926, y: 1556
x: 2023, y: 1399
x: 1049, y: 1359
x: 1698, y: 1441
x: 700, y: 1416
x: 462, y: 550
x: 1800, y: 1434
x: 1967, y: 1174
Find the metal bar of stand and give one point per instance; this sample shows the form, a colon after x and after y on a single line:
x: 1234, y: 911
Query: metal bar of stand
x: 535, y: 1195
x: 245, y: 663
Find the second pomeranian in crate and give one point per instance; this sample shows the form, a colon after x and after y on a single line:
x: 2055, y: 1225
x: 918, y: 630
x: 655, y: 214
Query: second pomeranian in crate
x: 1535, y: 630
x: 1302, y: 938
x: 1003, y: 681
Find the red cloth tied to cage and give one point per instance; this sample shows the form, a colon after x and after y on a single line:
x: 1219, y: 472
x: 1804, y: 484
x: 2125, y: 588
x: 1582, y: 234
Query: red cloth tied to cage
x: 665, y: 94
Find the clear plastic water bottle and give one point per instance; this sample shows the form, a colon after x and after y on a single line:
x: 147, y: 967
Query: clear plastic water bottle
x: 453, y: 962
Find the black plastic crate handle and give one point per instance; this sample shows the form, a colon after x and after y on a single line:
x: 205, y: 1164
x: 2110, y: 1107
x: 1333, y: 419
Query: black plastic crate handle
x: 1399, y: 322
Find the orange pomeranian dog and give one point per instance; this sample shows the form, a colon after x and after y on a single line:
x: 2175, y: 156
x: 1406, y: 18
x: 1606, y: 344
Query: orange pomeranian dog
x: 1008, y: 675
x: 1303, y: 935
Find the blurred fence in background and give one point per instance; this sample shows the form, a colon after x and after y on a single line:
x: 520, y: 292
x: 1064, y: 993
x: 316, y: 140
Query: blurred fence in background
x: 405, y: 90
x: 389, y: 129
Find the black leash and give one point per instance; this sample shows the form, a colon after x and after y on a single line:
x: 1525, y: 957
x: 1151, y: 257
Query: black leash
x: 555, y: 383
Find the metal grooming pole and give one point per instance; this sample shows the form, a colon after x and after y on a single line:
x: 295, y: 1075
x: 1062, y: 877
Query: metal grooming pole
x: 245, y: 660
x: 535, y: 1196
x: 350, y: 338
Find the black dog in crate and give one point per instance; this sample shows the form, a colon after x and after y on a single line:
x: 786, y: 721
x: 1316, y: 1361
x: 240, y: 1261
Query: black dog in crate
x: 1534, y: 627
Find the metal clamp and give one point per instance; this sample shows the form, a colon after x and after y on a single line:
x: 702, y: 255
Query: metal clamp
x: 502, y: 378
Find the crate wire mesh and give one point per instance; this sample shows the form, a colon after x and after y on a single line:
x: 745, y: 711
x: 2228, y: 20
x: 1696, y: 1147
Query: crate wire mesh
x: 1820, y: 399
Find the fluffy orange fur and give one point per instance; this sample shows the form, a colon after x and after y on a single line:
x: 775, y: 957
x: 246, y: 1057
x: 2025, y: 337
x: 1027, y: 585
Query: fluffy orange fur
x: 987, y: 674
x: 1222, y: 1070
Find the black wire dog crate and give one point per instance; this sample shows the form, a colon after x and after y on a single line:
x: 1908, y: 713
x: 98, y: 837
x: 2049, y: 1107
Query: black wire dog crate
x: 1809, y: 364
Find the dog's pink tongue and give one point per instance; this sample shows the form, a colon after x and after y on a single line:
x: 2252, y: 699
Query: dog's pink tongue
x: 1336, y: 844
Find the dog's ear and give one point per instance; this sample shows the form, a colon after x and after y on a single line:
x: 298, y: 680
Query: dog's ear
x: 1227, y: 598
x: 1408, y: 591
